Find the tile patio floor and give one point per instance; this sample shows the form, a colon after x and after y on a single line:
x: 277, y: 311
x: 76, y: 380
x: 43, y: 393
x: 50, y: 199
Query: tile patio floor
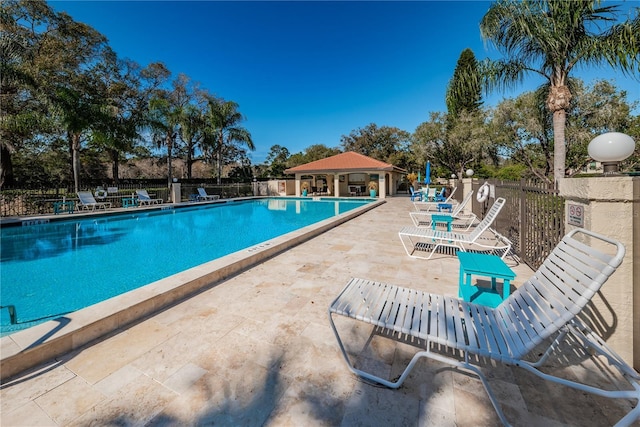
x: 257, y: 349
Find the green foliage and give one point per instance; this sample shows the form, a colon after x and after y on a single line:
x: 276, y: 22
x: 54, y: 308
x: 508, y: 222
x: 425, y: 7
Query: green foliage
x: 223, y: 133
x: 277, y: 158
x: 550, y: 38
x: 380, y: 143
x: 453, y: 144
x: 464, y: 92
x: 523, y: 131
x: 511, y: 172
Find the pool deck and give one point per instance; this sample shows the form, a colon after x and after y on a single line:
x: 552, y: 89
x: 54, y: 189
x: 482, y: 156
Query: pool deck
x: 257, y: 349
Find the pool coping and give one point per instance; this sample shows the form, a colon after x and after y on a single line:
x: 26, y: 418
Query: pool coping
x: 26, y: 349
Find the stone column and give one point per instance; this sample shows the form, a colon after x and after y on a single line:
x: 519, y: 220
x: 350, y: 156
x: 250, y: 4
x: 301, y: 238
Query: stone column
x: 298, y: 190
x: 466, y: 185
x: 611, y: 206
x: 176, y: 192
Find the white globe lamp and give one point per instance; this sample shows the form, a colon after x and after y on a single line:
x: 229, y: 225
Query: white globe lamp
x: 610, y: 149
x: 469, y: 173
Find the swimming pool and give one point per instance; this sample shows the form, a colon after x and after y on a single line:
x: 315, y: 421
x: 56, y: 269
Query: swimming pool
x: 51, y: 269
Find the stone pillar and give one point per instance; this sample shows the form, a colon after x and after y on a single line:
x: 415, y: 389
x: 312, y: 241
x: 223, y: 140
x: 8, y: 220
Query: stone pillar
x: 611, y: 206
x: 298, y: 189
x: 382, y: 187
x: 176, y: 192
x: 466, y: 185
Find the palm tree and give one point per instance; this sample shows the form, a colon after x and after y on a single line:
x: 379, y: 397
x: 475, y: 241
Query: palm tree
x: 191, y: 132
x: 224, y: 132
x: 164, y: 118
x: 551, y: 38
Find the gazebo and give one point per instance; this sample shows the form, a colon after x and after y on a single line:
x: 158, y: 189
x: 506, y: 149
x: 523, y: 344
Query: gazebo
x: 347, y: 174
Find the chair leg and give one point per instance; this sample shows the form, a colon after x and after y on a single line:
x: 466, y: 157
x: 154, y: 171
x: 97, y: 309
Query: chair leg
x: 462, y: 365
x: 590, y: 340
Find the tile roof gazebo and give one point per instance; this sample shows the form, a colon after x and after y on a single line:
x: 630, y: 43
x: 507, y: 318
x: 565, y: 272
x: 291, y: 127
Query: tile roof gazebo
x: 348, y: 174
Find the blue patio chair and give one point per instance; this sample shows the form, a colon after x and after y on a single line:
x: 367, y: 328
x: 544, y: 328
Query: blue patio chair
x: 440, y: 196
x: 415, y: 195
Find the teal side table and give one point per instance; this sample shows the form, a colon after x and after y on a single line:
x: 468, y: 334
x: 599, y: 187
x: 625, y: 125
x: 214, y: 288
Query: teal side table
x: 63, y: 207
x: 487, y: 266
x: 447, y: 219
x: 128, y: 202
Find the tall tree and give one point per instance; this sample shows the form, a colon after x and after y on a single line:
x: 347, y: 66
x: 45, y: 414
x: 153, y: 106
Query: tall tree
x: 522, y: 129
x: 456, y: 144
x: 550, y: 38
x: 17, y: 85
x: 596, y: 109
x: 464, y: 91
x: 192, y: 125
x: 126, y: 92
x: 68, y: 54
x: 224, y: 133
x: 166, y: 109
x: 277, y: 160
x: 381, y: 143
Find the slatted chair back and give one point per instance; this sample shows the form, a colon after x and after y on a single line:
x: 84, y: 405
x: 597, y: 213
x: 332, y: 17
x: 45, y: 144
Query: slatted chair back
x: 561, y: 288
x: 488, y: 219
x: 460, y: 206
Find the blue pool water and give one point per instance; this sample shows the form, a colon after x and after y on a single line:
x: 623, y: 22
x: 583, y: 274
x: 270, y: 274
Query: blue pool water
x: 50, y: 269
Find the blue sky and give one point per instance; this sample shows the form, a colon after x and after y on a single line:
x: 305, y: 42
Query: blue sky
x: 307, y: 73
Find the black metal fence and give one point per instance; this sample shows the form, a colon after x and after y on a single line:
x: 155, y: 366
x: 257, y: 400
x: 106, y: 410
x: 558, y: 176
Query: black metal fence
x: 532, y: 218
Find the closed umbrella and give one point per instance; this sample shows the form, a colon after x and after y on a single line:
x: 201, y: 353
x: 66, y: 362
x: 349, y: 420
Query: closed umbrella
x: 427, y: 176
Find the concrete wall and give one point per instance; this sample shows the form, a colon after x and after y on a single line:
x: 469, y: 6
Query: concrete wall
x: 611, y: 206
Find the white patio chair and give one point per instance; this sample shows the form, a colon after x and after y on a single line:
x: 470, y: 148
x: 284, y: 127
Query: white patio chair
x: 145, y: 199
x: 88, y: 202
x: 417, y: 240
x: 461, y: 220
x: 462, y: 334
x: 202, y: 195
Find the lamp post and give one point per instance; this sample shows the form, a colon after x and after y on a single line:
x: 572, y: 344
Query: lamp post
x: 610, y: 149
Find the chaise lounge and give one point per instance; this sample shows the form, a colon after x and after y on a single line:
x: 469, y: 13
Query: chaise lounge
x: 459, y: 219
x: 202, y: 195
x: 540, y: 314
x: 88, y: 202
x: 418, y: 240
x: 145, y: 199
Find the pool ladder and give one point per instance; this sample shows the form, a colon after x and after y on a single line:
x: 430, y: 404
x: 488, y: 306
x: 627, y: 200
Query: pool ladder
x: 12, y: 313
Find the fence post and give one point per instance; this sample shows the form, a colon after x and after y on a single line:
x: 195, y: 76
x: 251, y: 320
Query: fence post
x: 524, y: 225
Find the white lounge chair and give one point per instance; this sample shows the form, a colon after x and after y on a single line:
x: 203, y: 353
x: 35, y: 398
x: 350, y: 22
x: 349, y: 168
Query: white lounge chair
x: 464, y: 334
x: 417, y: 240
x: 88, y: 202
x: 429, y: 194
x: 145, y: 199
x: 202, y: 195
x: 425, y: 205
x: 461, y: 220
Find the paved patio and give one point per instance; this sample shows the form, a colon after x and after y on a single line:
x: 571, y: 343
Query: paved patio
x: 257, y: 349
